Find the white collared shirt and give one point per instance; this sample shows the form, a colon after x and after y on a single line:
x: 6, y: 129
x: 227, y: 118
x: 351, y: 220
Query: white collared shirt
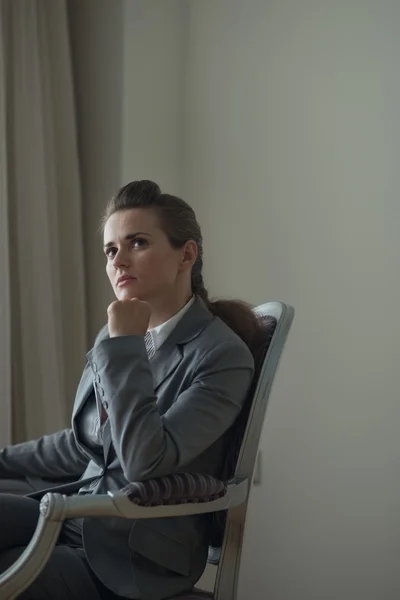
x: 160, y: 333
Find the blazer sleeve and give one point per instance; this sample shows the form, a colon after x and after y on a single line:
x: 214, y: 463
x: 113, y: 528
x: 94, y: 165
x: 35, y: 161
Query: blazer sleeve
x: 55, y: 456
x: 149, y: 444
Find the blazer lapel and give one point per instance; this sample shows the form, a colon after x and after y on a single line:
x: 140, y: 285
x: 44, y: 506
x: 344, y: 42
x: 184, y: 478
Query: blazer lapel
x: 166, y: 359
x: 164, y: 362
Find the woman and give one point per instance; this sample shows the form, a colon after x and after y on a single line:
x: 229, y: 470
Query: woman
x: 164, y: 382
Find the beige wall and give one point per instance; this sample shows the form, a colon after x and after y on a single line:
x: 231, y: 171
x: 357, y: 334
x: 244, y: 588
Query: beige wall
x: 293, y: 145
x: 128, y: 59
x: 97, y: 52
x: 153, y: 94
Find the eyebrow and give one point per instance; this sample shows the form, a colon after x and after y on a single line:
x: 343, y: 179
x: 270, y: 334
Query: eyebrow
x: 127, y: 238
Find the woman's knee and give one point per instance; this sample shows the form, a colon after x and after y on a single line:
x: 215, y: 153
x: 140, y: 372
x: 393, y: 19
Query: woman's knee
x: 20, y: 487
x: 18, y: 519
x: 66, y: 576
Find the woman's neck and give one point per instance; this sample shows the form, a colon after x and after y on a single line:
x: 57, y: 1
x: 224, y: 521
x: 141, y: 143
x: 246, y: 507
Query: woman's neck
x: 163, y: 309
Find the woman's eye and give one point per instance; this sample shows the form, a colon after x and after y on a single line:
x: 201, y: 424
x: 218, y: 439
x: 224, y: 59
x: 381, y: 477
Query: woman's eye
x: 136, y: 243
x: 139, y: 243
x: 111, y: 252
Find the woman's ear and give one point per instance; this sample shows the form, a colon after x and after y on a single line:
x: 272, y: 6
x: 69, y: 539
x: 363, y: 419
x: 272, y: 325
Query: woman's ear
x: 189, y: 254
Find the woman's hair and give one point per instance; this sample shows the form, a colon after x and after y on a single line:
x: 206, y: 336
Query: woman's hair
x: 179, y: 223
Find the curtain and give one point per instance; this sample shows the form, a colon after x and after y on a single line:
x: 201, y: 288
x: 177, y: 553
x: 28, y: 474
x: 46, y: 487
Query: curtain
x: 5, y: 309
x: 42, y: 297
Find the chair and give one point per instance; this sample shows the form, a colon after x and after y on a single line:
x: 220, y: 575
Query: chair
x: 176, y: 495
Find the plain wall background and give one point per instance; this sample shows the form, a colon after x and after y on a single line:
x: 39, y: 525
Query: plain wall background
x: 278, y: 121
x: 293, y: 145
x: 153, y: 93
x: 96, y: 28
x: 129, y: 68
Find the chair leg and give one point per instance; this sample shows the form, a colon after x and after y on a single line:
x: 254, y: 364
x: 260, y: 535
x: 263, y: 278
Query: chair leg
x: 228, y: 571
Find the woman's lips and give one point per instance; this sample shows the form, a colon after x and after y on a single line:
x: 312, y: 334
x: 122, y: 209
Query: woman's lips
x: 123, y: 281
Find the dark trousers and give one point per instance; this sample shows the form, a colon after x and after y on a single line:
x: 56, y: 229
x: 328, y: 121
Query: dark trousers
x: 67, y: 575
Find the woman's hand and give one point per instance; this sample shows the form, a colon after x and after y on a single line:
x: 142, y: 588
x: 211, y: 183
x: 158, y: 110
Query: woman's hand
x: 128, y: 317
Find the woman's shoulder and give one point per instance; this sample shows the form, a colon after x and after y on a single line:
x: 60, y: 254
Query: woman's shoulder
x: 217, y: 338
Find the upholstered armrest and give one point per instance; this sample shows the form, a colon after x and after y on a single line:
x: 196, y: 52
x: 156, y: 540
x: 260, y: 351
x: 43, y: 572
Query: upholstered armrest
x: 175, y: 489
x: 172, y: 496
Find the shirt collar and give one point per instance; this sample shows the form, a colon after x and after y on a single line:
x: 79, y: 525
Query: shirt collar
x: 162, y: 332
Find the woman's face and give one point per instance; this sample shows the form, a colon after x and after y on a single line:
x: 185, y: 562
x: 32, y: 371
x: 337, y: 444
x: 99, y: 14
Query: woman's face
x: 141, y: 263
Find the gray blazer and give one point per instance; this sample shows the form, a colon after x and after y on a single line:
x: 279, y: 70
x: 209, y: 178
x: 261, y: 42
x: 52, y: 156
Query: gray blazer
x: 167, y: 414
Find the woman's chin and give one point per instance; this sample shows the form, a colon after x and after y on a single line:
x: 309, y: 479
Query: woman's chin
x: 127, y: 293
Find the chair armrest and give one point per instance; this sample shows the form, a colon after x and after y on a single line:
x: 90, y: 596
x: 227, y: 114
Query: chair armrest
x: 55, y: 508
x: 119, y: 504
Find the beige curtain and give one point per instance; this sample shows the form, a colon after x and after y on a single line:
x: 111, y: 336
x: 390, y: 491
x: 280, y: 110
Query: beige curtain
x: 42, y: 300
x: 5, y: 312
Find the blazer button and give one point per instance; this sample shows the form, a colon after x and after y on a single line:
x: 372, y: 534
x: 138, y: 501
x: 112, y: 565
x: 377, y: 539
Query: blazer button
x: 95, y: 367
x: 105, y: 404
x: 97, y: 378
x: 102, y: 391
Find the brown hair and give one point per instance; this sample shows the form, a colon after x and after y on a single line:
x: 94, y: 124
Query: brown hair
x: 179, y: 222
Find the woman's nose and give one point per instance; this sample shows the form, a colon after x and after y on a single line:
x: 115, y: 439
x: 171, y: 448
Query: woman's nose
x: 121, y: 259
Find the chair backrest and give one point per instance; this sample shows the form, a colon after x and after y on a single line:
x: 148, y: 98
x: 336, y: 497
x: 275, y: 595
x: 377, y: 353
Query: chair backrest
x: 277, y: 318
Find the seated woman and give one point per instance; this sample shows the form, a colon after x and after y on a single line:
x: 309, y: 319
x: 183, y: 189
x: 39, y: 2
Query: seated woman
x: 164, y: 382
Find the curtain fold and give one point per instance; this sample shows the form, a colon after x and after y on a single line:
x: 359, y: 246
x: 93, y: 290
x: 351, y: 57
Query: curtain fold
x: 5, y: 301
x: 44, y: 237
